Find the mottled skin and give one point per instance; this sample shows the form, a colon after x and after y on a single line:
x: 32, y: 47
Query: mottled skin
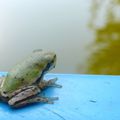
x: 23, y: 83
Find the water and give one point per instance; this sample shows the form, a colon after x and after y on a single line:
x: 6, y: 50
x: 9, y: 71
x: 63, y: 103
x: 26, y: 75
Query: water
x: 60, y: 26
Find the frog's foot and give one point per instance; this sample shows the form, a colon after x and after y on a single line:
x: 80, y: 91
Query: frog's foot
x: 28, y: 95
x: 50, y: 83
x: 35, y: 100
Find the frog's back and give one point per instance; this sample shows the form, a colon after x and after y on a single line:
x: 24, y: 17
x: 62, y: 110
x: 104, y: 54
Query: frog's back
x: 24, y: 73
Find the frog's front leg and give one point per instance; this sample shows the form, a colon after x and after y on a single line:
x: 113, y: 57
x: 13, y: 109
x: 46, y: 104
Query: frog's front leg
x: 50, y: 83
x: 28, y: 95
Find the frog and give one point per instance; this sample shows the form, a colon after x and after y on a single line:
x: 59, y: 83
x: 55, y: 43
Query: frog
x: 25, y: 82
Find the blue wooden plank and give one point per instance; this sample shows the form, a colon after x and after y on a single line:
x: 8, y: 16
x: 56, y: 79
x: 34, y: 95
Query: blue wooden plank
x: 83, y: 97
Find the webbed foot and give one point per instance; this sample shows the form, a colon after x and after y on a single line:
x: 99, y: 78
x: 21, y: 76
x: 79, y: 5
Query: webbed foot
x: 50, y: 83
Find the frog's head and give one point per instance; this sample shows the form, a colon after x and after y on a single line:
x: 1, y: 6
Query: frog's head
x: 50, y: 59
x: 47, y: 59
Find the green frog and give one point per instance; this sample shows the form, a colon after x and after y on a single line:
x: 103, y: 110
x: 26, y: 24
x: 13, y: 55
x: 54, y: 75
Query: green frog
x: 25, y: 80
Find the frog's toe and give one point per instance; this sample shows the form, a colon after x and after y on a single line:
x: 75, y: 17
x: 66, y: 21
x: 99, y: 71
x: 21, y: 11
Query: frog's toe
x: 50, y: 100
x: 52, y: 83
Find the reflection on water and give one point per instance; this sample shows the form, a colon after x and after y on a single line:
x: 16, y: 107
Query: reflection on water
x: 105, y: 59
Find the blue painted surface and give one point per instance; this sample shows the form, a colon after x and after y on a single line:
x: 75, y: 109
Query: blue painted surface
x: 83, y: 97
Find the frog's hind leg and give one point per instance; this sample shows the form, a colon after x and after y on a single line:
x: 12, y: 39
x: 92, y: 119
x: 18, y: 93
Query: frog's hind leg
x: 32, y: 87
x: 35, y: 99
x: 50, y: 83
x: 28, y: 95
x: 23, y: 94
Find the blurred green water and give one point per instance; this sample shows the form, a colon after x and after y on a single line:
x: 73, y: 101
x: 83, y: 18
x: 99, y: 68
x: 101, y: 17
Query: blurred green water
x: 105, y: 58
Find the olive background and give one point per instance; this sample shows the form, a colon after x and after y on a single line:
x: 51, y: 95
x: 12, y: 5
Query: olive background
x: 85, y: 34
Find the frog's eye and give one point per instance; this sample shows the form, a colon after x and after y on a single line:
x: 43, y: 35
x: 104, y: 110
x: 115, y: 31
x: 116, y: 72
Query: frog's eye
x: 52, y: 62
